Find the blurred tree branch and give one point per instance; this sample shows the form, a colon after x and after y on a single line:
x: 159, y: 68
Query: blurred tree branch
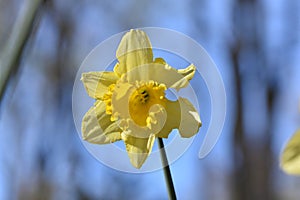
x: 13, y: 50
x: 253, y: 162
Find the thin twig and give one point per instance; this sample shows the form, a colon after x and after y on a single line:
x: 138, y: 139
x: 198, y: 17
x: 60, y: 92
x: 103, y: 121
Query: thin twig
x: 167, y: 171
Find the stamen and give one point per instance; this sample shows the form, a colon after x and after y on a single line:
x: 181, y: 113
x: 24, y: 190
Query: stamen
x: 144, y: 96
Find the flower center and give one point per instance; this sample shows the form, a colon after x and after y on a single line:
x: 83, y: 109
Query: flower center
x: 141, y: 100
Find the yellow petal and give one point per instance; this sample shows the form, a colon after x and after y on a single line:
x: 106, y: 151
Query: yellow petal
x: 120, y: 100
x: 134, y: 50
x: 96, y: 83
x: 186, y: 74
x: 162, y: 73
x: 160, y: 61
x: 138, y: 149
x: 290, y: 158
x: 183, y: 116
x: 97, y: 127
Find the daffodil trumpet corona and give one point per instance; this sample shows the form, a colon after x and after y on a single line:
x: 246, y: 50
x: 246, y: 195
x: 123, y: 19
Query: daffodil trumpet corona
x: 131, y: 103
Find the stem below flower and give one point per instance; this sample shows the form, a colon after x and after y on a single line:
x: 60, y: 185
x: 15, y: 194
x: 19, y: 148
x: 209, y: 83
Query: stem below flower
x: 167, y: 172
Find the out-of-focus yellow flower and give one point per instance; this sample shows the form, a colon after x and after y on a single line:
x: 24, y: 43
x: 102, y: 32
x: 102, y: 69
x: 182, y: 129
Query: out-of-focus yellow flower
x: 290, y: 158
x: 130, y: 101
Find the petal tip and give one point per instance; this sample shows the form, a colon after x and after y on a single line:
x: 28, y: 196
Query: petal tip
x: 83, y: 77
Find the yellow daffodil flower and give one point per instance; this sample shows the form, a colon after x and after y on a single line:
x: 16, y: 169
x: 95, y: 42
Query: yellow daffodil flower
x: 290, y: 158
x: 130, y: 101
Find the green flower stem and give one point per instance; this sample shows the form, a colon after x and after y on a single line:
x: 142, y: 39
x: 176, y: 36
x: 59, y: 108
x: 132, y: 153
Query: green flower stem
x: 14, y: 47
x: 167, y: 172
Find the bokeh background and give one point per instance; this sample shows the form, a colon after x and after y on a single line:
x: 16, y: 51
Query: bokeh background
x: 254, y: 43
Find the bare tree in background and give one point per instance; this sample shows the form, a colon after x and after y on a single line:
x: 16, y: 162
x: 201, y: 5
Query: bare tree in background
x: 253, y: 158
